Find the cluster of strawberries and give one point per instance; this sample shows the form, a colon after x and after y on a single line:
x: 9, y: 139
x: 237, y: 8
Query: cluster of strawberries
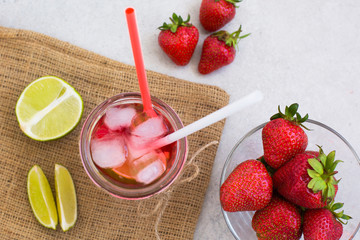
x: 179, y: 38
x: 291, y: 188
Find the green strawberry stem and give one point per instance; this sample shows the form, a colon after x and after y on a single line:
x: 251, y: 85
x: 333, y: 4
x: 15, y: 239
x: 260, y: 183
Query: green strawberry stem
x: 340, y: 216
x: 292, y: 115
x: 233, y: 2
x: 176, y: 21
x: 322, y: 174
x: 230, y: 39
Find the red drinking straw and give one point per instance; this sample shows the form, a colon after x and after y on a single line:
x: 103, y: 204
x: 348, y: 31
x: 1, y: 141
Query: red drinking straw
x: 139, y: 61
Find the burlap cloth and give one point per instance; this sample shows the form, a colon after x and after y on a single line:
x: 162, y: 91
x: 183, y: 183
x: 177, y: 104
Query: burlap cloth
x: 26, y: 56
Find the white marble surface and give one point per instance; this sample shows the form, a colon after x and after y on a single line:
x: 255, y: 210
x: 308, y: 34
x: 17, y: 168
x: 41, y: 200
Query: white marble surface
x: 299, y: 51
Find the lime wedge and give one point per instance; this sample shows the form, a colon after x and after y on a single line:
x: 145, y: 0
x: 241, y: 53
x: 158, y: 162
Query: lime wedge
x: 41, y: 198
x: 65, y: 197
x: 48, y: 108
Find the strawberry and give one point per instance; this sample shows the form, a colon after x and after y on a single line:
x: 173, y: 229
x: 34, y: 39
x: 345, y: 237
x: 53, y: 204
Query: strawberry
x: 279, y: 220
x: 283, y: 137
x: 308, y: 179
x: 214, y: 14
x: 219, y: 50
x: 247, y: 188
x: 178, y: 39
x: 324, y: 223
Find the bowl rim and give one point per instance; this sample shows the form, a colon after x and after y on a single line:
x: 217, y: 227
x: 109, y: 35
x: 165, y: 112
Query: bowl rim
x: 252, y: 131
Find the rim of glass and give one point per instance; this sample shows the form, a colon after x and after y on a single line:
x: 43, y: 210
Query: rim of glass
x: 252, y: 131
x: 127, y: 193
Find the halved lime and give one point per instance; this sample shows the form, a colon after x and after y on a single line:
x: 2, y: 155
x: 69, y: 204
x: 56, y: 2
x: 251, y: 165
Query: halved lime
x: 65, y: 197
x: 41, y: 198
x: 48, y: 108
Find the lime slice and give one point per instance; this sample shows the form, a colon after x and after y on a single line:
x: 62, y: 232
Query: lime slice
x: 41, y: 198
x: 65, y: 197
x: 48, y: 108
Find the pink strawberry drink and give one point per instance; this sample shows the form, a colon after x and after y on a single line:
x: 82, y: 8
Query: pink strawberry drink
x: 118, y: 142
x: 116, y: 158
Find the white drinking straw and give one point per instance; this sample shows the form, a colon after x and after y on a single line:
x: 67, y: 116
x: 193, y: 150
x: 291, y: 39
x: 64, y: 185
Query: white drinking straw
x: 214, y: 117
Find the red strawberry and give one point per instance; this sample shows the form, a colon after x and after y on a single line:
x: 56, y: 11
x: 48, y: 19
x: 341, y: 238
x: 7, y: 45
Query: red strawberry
x: 214, y: 14
x: 307, y: 180
x: 247, y: 188
x: 219, y: 50
x: 283, y: 136
x: 279, y: 220
x: 178, y: 39
x: 324, y: 223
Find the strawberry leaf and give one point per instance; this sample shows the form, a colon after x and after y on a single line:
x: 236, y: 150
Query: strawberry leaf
x: 330, y: 159
x: 322, y: 158
x: 311, y: 183
x: 319, y: 185
x: 173, y: 28
x: 323, y: 180
x: 289, y: 114
x: 332, y: 168
x: 346, y: 217
x: 338, y: 215
x: 175, y: 18
x: 313, y: 174
x: 244, y: 36
x: 324, y: 194
x: 230, y: 40
x: 316, y: 165
x: 331, y: 180
x: 187, y: 19
x: 331, y: 191
x: 275, y: 116
x: 292, y: 110
x: 337, y: 181
x: 176, y: 21
x: 305, y: 118
x: 337, y: 206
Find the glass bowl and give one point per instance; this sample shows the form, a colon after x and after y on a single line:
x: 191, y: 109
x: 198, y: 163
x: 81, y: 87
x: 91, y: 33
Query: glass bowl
x: 250, y: 147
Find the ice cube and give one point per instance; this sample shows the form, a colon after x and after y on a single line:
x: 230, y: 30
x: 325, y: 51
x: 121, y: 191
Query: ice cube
x: 149, y: 167
x: 108, y: 152
x: 137, y: 146
x: 117, y: 118
x: 151, y: 172
x: 152, y: 128
x: 145, y: 169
